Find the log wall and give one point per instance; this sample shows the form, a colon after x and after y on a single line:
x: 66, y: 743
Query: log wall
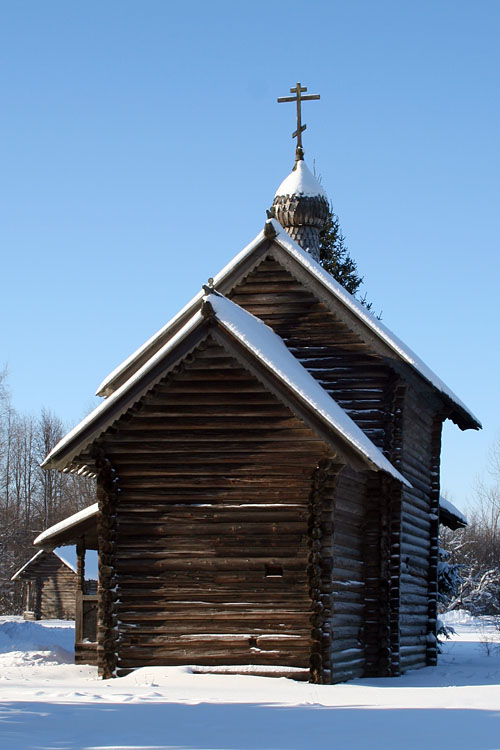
x: 210, y: 524
x: 348, y: 576
x: 419, y: 522
x: 354, y: 376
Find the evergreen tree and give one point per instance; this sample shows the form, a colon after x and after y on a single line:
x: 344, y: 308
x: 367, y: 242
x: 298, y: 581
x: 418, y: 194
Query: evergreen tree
x: 335, y: 258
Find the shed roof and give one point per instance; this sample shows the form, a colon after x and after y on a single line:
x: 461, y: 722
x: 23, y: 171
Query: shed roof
x: 71, y: 529
x: 275, y: 241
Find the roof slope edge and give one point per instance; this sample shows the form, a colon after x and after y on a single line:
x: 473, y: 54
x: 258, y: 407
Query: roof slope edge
x: 67, y: 523
x: 370, y: 321
x: 270, y: 349
x: 267, y: 348
x: 274, y: 230
x: 130, y: 365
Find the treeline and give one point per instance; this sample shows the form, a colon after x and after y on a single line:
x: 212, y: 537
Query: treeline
x: 31, y: 499
x: 470, y: 564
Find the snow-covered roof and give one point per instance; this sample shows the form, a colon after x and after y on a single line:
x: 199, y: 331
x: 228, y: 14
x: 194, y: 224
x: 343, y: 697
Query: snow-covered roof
x: 270, y: 350
x: 266, y: 347
x: 39, y: 554
x: 375, y: 325
x: 77, y: 518
x: 301, y: 182
x: 65, y: 558
x: 450, y: 515
x: 284, y: 242
x: 108, y: 385
x: 32, y: 559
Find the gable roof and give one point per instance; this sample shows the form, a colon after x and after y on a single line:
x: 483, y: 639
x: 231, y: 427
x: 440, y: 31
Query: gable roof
x: 24, y: 571
x: 263, y: 351
x: 275, y: 241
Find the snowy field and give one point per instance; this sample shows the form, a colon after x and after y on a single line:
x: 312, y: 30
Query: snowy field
x: 48, y: 703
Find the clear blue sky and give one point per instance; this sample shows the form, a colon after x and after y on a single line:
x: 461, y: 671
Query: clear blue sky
x: 141, y: 144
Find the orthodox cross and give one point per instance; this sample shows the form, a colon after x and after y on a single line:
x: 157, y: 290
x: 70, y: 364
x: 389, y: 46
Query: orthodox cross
x: 298, y: 90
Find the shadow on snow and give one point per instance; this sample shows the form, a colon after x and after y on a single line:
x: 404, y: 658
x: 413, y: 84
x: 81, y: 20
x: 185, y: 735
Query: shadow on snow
x: 169, y: 726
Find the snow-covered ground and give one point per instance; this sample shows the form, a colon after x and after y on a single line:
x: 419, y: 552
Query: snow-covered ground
x: 48, y: 703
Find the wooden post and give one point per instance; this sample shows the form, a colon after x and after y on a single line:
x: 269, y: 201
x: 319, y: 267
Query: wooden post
x: 320, y: 532
x: 107, y: 634
x: 382, y: 553
x: 376, y: 554
x: 80, y: 565
x: 393, y: 563
x: 432, y: 650
x: 394, y: 513
x: 80, y: 590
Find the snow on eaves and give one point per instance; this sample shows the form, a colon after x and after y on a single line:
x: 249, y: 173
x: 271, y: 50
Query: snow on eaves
x: 36, y: 556
x: 64, y: 558
x: 18, y: 573
x: 269, y: 349
x: 76, y: 518
x: 452, y: 509
x: 383, y: 333
x: 301, y: 182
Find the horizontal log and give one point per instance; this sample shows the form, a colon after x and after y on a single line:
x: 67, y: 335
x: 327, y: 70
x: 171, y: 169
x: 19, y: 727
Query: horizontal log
x: 134, y: 658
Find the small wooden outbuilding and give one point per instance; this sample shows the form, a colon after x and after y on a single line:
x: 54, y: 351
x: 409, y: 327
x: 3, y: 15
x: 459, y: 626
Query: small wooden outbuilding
x: 80, y: 530
x: 268, y: 475
x: 49, y: 583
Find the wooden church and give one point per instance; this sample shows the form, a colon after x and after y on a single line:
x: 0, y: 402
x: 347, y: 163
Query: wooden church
x: 268, y: 475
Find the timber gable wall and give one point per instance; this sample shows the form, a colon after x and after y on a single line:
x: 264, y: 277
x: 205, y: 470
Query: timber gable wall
x: 210, y: 529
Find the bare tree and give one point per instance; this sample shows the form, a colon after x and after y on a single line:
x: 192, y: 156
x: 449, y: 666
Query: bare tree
x: 31, y: 499
x: 476, y: 548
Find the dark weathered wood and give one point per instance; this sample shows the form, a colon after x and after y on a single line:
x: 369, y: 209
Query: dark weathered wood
x: 196, y: 523
x: 49, y: 588
x: 433, y: 560
x: 107, y: 631
x: 235, y: 530
x: 320, y: 567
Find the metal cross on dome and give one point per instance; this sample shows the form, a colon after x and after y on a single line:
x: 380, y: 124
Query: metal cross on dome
x: 298, y: 90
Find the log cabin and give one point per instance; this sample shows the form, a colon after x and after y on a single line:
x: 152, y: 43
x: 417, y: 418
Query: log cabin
x: 49, y: 584
x: 268, y: 475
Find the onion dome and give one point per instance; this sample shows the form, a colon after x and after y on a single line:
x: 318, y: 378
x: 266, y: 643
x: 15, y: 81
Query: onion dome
x: 301, y: 207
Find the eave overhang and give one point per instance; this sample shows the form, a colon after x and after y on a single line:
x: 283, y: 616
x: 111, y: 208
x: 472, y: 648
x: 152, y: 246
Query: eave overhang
x: 81, y: 525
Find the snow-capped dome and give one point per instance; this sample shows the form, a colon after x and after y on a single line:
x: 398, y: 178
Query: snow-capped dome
x: 301, y: 207
x: 301, y: 182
